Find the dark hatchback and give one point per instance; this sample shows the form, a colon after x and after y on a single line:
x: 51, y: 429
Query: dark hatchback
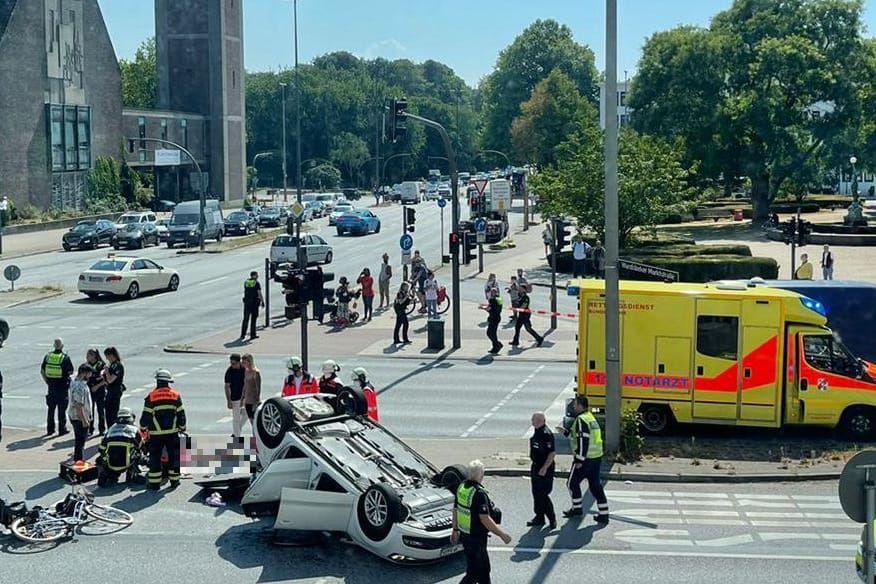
x: 136, y: 235
x: 241, y: 223
x: 88, y: 235
x: 271, y: 217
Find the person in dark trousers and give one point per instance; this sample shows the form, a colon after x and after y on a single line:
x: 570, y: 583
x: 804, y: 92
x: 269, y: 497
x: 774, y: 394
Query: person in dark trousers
x: 494, y: 317
x: 164, y: 417
x: 400, y: 305
x: 56, y: 370
x: 97, y: 386
x: 366, y: 281
x: 252, y: 301
x: 597, y: 256
x: 114, y: 376
x: 542, y: 453
x: 474, y: 518
x: 79, y: 410
x: 585, y: 438
x: 524, y: 320
x: 234, y: 380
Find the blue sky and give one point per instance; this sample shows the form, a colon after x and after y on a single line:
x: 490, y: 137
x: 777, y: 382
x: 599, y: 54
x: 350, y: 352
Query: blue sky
x: 467, y: 35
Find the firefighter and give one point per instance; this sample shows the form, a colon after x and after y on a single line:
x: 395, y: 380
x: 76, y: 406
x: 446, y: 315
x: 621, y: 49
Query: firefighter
x: 329, y: 382
x: 586, y: 441
x: 298, y: 381
x: 164, y: 418
x: 119, y: 449
x: 360, y: 375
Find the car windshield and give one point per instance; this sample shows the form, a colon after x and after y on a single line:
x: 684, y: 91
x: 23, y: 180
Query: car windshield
x: 239, y: 216
x: 109, y: 266
x: 286, y: 241
x: 307, y: 198
x: 270, y: 211
x: 84, y: 227
x: 129, y: 219
x: 343, y: 208
x: 324, y: 197
x: 191, y: 219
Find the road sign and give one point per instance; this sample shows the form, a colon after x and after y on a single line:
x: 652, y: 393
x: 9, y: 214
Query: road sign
x: 406, y: 242
x: 481, y: 236
x: 851, y: 484
x: 639, y: 271
x: 167, y: 158
x: 480, y: 184
x: 442, y: 203
x: 500, y: 194
x: 12, y: 273
x: 406, y: 257
x: 297, y: 210
x: 481, y: 226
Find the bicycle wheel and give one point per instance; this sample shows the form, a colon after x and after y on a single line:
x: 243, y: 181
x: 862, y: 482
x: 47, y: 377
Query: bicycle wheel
x: 109, y: 514
x: 412, y: 306
x: 444, y: 306
x: 42, y: 530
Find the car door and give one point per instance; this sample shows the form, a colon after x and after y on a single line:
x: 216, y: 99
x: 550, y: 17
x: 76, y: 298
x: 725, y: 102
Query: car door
x: 320, y: 248
x: 140, y: 273
x: 159, y: 275
x: 315, y: 510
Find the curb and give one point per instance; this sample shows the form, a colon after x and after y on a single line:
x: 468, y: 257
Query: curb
x: 33, y: 300
x: 662, y: 477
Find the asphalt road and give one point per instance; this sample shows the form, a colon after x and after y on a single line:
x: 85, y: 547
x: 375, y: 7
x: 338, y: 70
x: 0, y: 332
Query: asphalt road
x: 660, y: 533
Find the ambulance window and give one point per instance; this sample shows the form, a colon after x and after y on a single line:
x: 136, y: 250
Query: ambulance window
x: 822, y: 352
x: 718, y: 336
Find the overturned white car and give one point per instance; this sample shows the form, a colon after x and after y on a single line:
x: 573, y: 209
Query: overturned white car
x: 325, y: 466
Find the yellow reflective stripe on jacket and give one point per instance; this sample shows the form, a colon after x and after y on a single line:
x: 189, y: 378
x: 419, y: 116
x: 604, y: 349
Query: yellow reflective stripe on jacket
x: 53, y: 365
x: 113, y: 443
x: 156, y: 429
x: 464, y: 499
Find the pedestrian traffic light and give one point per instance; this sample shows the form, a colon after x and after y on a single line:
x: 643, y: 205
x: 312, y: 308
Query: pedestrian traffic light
x: 410, y: 218
x: 454, y: 244
x: 399, y: 119
x: 295, y: 291
x: 469, y: 245
x: 804, y: 228
x: 560, y: 226
x: 315, y: 280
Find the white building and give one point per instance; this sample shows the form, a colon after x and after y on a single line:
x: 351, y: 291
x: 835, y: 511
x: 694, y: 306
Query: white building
x: 623, y: 112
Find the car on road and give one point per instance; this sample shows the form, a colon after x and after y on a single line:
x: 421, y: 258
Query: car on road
x: 88, y: 234
x: 339, y: 210
x: 325, y: 466
x: 162, y: 206
x: 136, y: 235
x: 135, y: 217
x: 163, y: 229
x: 241, y: 223
x: 444, y: 191
x: 358, y: 221
x: 271, y: 217
x: 185, y: 223
x: 329, y: 200
x: 126, y: 276
x: 352, y: 194
x: 312, y: 210
x: 284, y: 249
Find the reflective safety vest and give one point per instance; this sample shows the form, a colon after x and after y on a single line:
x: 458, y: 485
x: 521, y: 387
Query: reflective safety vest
x: 308, y: 385
x: 250, y: 283
x: 118, y: 446
x: 464, y: 500
x: 163, y: 412
x: 371, y: 400
x: 53, y: 369
x: 594, y: 446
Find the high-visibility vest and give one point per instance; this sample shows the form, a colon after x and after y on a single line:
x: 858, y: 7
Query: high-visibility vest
x: 53, y: 365
x: 464, y: 500
x: 594, y: 446
x: 308, y: 385
x: 250, y: 283
x: 371, y: 400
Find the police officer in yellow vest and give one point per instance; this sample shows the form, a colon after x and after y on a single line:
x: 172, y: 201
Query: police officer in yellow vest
x: 586, y: 441
x: 474, y: 518
x: 56, y: 370
x: 252, y: 300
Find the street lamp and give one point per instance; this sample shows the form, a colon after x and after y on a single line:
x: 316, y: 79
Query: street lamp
x: 283, y: 89
x: 502, y: 154
x: 256, y: 159
x: 853, y: 160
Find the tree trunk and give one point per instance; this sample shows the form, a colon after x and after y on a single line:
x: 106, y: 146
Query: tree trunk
x: 760, y: 198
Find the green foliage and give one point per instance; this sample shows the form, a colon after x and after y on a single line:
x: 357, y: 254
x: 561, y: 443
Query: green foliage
x: 707, y: 268
x: 139, y: 78
x: 350, y: 152
x: 129, y: 183
x: 104, y: 188
x: 631, y: 440
x: 540, y: 49
x: 324, y: 176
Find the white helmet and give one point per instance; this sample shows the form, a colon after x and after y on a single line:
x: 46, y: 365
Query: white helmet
x: 163, y: 375
x: 330, y: 366
x: 293, y: 362
x: 359, y: 374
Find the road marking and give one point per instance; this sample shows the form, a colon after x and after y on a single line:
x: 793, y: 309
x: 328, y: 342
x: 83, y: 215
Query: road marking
x: 183, y: 374
x: 504, y: 400
x: 213, y: 281
x: 7, y: 396
x: 556, y: 411
x: 660, y: 553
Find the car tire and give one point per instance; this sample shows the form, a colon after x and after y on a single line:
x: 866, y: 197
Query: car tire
x: 273, y: 421
x: 451, y: 477
x: 219, y: 237
x: 133, y: 291
x: 65, y: 246
x: 377, y: 229
x: 328, y: 257
x: 340, y: 233
x: 378, y: 509
x: 4, y: 331
x: 656, y: 419
x: 173, y: 283
x: 169, y: 245
x: 858, y: 424
x: 141, y: 243
x: 351, y: 402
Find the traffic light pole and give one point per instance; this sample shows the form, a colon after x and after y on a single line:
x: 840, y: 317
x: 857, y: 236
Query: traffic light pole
x: 480, y: 258
x: 405, y: 274
x: 554, y: 278
x: 267, y: 293
x: 454, y: 186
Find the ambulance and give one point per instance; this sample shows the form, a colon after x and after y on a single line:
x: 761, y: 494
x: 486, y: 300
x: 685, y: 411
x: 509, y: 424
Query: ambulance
x: 724, y: 353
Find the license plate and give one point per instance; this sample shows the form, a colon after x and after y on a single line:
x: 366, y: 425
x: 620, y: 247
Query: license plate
x: 95, y: 279
x: 450, y: 550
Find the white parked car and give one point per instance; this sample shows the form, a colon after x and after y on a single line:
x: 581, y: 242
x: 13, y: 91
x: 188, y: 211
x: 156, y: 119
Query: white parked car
x: 325, y: 466
x: 126, y: 276
x: 338, y: 210
x: 284, y: 249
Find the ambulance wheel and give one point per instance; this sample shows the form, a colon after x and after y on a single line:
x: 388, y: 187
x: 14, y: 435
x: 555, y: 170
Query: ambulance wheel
x: 451, y: 477
x: 351, y: 401
x: 656, y: 418
x: 273, y: 421
x: 858, y: 424
x: 378, y: 508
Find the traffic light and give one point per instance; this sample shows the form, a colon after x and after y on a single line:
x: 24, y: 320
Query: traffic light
x: 454, y: 244
x: 561, y: 235
x: 295, y: 291
x: 399, y: 119
x: 315, y: 280
x: 804, y: 228
x: 410, y: 218
x: 469, y: 247
x: 789, y: 231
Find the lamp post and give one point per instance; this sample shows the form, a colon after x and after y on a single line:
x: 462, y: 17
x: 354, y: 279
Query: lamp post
x: 502, y: 154
x: 853, y: 160
x: 283, y: 89
x: 385, y: 162
x: 254, y: 160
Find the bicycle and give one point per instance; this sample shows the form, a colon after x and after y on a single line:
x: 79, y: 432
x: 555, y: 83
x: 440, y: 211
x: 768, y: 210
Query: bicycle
x: 443, y: 301
x: 41, y: 525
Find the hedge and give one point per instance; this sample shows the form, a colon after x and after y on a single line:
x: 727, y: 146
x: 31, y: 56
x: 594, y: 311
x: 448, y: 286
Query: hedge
x: 705, y: 268
x: 688, y: 250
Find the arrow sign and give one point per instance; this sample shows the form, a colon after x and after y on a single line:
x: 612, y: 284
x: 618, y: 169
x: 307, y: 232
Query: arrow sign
x: 442, y: 203
x: 481, y: 226
x: 406, y: 242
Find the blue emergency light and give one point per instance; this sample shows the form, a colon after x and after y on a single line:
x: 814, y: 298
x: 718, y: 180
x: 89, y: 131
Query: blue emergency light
x: 573, y: 291
x: 814, y: 305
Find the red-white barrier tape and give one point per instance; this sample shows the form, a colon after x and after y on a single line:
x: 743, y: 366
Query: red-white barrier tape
x: 541, y: 312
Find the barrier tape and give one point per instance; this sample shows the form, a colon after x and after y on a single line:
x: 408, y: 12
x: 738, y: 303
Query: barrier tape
x: 573, y: 315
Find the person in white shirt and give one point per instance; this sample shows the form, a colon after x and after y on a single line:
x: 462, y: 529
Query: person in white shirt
x: 430, y: 287
x: 490, y: 285
x: 383, y: 278
x: 579, y: 256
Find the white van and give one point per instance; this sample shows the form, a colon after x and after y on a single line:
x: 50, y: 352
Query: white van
x: 184, y: 225
x: 410, y: 192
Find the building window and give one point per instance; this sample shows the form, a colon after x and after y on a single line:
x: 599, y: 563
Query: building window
x: 83, y: 137
x: 164, y: 129
x: 51, y: 31
x: 622, y: 100
x: 233, y: 78
x: 56, y: 131
x: 70, y: 146
x: 141, y: 127
x: 718, y: 336
x: 184, y: 126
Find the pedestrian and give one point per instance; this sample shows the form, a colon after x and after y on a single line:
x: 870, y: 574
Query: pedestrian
x: 597, y: 256
x: 329, y: 382
x: 474, y: 517
x: 383, y: 280
x: 360, y: 378
x: 430, y: 287
x: 298, y: 381
x: 97, y: 386
x: 586, y: 442
x: 804, y: 270
x: 56, y: 370
x: 513, y: 291
x: 367, y: 283
x: 524, y: 320
x: 827, y: 263
x: 79, y: 410
x: 164, y: 417
x: 580, y: 250
x: 542, y: 452
x: 491, y: 283
x: 400, y: 305
x: 252, y: 300
x: 234, y: 381
x: 419, y: 273
x: 344, y: 295
x: 252, y: 386
x: 494, y: 317
x: 114, y: 376
x: 523, y: 281
x: 547, y: 236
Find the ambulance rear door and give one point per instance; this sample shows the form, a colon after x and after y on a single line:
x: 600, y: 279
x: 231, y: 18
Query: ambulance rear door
x: 760, y: 399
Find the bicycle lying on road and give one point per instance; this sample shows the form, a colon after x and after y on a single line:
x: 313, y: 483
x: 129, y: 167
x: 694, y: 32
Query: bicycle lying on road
x: 40, y: 525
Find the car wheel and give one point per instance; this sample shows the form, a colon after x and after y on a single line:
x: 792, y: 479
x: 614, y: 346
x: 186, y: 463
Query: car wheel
x: 4, y: 331
x: 274, y: 420
x: 858, y: 424
x: 351, y: 402
x: 451, y: 477
x: 65, y: 246
x: 340, y: 233
x: 169, y: 245
x: 328, y: 257
x: 141, y: 243
x: 378, y: 509
x: 173, y: 284
x: 377, y: 230
x: 219, y: 237
x: 95, y: 244
x: 133, y: 291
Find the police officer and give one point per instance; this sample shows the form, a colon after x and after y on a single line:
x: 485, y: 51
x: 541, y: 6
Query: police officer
x: 1, y: 407
x: 118, y: 449
x: 164, y: 418
x: 474, y: 518
x: 252, y: 300
x: 494, y: 317
x: 524, y: 320
x: 541, y: 472
x: 586, y: 441
x: 360, y: 377
x: 56, y: 370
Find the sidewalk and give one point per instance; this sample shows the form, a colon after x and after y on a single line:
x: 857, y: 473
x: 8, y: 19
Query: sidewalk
x: 27, y: 244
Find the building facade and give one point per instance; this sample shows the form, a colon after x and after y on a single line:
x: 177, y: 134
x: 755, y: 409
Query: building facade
x: 623, y: 112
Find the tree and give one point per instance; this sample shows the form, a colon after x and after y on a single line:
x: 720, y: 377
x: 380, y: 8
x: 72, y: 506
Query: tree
x: 104, y: 186
x: 324, y: 176
x: 139, y: 78
x: 350, y: 152
x: 770, y: 67
x: 550, y: 116
x: 544, y: 46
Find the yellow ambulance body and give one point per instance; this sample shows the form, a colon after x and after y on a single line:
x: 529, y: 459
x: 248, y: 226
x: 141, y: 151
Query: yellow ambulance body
x: 724, y: 354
